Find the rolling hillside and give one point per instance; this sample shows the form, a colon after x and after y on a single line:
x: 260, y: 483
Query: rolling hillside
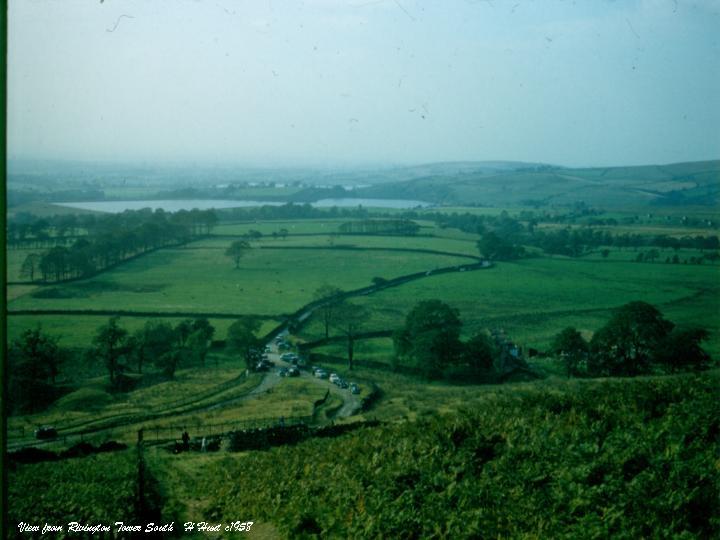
x: 696, y: 183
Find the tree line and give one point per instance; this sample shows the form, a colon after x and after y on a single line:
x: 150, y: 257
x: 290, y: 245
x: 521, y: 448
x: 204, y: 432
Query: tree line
x: 112, y: 239
x: 36, y: 360
x: 28, y: 230
x: 505, y: 236
x: 380, y: 226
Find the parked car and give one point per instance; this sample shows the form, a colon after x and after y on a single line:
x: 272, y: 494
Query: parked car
x: 45, y: 432
x: 343, y: 384
x: 293, y: 372
x: 354, y: 388
x: 321, y: 374
x: 283, y: 372
x: 289, y: 357
x: 334, y: 377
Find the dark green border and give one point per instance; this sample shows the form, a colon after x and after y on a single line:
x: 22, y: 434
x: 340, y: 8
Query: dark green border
x: 3, y: 268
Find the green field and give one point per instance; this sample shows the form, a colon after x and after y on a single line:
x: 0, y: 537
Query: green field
x: 268, y: 282
x: 533, y: 299
x: 460, y: 246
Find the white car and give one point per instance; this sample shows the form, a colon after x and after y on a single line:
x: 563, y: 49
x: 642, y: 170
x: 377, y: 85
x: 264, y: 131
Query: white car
x: 321, y: 374
x: 334, y: 377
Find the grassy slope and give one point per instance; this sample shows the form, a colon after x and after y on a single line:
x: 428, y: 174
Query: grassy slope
x: 268, y: 282
x: 534, y: 299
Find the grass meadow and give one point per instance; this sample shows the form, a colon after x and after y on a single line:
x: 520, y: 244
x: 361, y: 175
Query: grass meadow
x: 268, y: 282
x: 533, y: 299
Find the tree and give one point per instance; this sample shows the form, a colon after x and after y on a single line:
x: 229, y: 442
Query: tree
x: 572, y: 348
x: 30, y: 266
x: 681, y: 349
x: 431, y: 337
x: 627, y: 343
x: 494, y: 248
x: 241, y: 338
x: 236, y: 251
x: 479, y: 354
x: 327, y: 310
x: 33, y: 363
x: 37, y: 355
x: 199, y: 340
x: 112, y: 346
x: 348, y: 318
x: 252, y: 234
x: 151, y: 342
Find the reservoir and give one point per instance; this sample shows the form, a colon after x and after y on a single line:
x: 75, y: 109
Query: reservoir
x: 206, y: 204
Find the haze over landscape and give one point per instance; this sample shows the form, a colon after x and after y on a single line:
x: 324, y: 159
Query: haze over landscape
x: 348, y: 82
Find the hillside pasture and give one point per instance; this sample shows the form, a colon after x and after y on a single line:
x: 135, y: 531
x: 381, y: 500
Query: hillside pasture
x: 204, y: 280
x: 533, y: 299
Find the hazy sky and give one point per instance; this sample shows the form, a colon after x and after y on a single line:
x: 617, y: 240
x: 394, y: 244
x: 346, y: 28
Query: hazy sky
x: 334, y: 82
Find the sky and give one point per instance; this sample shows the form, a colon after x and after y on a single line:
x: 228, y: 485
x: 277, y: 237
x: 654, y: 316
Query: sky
x: 358, y: 82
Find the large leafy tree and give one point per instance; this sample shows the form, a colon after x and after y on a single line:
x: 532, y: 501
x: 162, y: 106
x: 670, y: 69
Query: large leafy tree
x: 151, y: 342
x: 572, y: 348
x: 349, y: 318
x: 112, y: 345
x: 237, y: 250
x: 241, y: 339
x: 681, y: 349
x: 200, y: 339
x: 431, y: 337
x: 327, y: 310
x: 479, y: 354
x: 36, y: 356
x: 33, y: 361
x: 495, y: 248
x: 627, y: 343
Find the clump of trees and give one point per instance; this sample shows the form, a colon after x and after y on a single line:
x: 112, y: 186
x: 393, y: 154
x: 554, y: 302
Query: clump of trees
x: 636, y: 340
x: 430, y: 341
x: 166, y: 346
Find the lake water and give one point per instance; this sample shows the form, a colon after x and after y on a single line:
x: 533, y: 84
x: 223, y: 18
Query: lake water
x: 205, y: 204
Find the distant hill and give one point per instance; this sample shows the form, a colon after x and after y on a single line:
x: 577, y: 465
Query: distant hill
x: 512, y: 183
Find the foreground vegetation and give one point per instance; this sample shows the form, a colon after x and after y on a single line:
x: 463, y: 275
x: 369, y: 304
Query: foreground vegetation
x: 621, y: 459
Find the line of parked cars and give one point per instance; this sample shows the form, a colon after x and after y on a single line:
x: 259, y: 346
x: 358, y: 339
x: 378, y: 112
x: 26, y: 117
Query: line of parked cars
x: 334, y: 378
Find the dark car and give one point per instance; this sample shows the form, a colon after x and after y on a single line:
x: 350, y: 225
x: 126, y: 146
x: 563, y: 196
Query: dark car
x: 45, y: 432
x: 293, y: 372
